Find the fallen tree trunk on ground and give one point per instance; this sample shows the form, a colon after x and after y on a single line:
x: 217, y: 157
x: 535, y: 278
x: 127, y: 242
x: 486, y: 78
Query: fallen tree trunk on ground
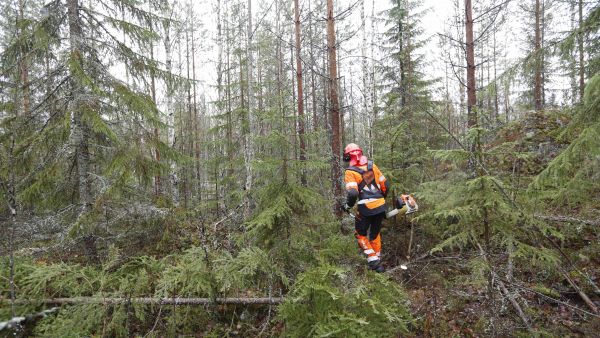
x: 148, y: 300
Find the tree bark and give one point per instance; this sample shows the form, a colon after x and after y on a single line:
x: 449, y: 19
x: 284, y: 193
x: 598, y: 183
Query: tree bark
x: 197, y: 171
x: 248, y: 139
x: 313, y: 63
x: 334, y: 106
x: 537, y: 89
x: 169, y: 109
x: 280, y: 104
x: 470, y: 47
x: 581, y: 59
x: 496, y: 104
x: 219, y: 92
x: 187, y: 132
x: 365, y: 76
x: 373, y: 92
x: 157, y: 183
x: 300, y: 93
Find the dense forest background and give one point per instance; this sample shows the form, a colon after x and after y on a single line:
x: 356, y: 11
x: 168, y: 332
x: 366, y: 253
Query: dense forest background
x: 156, y: 150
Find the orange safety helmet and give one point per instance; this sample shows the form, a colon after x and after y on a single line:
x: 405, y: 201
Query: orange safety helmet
x: 353, y: 154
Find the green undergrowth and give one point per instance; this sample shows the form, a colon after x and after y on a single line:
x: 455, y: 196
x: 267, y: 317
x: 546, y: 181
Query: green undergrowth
x: 308, y: 265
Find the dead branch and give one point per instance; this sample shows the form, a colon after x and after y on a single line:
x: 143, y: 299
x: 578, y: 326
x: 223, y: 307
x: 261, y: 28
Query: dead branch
x: 17, y: 322
x: 149, y: 300
x: 541, y: 295
x: 582, y: 294
x: 504, y: 291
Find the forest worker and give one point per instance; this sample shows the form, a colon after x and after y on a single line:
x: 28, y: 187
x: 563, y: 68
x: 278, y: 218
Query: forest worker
x: 365, y: 183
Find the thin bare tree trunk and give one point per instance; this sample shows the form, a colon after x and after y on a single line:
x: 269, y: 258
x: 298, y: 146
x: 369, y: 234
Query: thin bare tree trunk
x: 10, y: 195
x: 365, y: 75
x: 334, y: 106
x: 496, y: 109
x: 542, y: 56
x: 229, y: 127
x: 300, y: 93
x: 219, y: 90
x: 470, y: 46
x: 581, y: 59
x: 313, y: 64
x: 537, y: 90
x: 294, y: 121
x: 249, y: 151
x: 373, y: 88
x: 157, y: 183
x: 196, y: 122
x: 280, y: 105
x: 187, y: 132
x: 169, y: 110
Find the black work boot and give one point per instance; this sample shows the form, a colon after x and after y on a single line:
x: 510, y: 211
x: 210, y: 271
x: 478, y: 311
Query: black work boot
x: 376, y: 266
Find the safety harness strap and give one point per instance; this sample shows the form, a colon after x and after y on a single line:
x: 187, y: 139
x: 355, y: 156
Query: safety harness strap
x: 372, y: 191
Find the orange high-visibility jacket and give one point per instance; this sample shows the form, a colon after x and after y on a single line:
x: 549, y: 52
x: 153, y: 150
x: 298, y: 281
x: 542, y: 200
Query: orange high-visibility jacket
x: 367, y: 184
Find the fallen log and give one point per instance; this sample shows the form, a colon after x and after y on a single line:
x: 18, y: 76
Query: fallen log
x: 581, y: 294
x: 148, y: 300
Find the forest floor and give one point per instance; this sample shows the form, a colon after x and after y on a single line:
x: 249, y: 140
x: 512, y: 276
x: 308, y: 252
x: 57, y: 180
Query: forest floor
x: 449, y: 299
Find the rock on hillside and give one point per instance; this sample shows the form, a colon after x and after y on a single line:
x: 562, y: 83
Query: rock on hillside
x: 530, y: 142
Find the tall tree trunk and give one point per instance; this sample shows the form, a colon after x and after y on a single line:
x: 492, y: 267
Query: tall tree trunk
x: 373, y: 92
x: 188, y: 127
x: 581, y: 60
x: 334, y: 106
x: 219, y: 90
x: 249, y: 151
x: 470, y: 46
x: 169, y: 110
x: 280, y: 105
x: 365, y: 77
x: 572, y: 62
x: 313, y: 64
x: 229, y: 122
x: 294, y: 121
x: 24, y: 68
x: 507, y: 100
x: 196, y: 138
x: 157, y: 183
x: 537, y: 89
x: 79, y: 132
x: 542, y: 54
x: 300, y: 93
x: 496, y: 111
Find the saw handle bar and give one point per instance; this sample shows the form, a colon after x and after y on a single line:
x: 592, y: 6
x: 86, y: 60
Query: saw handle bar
x: 404, y: 205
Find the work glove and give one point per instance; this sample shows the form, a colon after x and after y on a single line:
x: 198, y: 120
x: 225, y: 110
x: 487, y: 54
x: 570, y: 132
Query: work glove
x: 346, y: 207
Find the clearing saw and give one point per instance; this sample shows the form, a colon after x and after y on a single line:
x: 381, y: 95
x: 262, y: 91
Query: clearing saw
x: 404, y: 205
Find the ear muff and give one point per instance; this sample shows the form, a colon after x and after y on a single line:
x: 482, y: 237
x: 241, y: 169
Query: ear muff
x: 346, y: 157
